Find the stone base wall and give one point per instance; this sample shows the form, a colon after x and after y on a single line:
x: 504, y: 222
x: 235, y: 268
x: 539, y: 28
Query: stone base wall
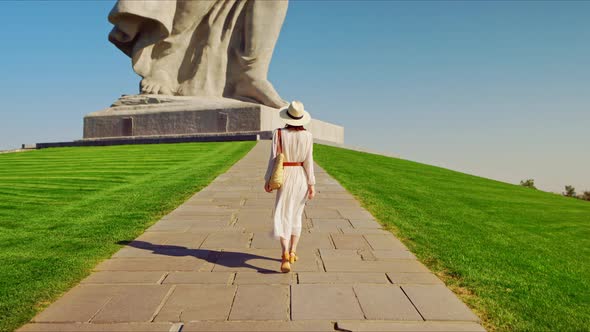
x: 162, y: 116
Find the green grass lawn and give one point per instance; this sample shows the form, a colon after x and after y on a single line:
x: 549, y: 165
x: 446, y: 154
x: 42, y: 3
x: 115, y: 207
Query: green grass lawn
x: 519, y: 257
x: 63, y: 210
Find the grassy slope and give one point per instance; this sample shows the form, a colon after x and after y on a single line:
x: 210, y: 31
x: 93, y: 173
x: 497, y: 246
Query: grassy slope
x: 63, y: 210
x: 519, y: 257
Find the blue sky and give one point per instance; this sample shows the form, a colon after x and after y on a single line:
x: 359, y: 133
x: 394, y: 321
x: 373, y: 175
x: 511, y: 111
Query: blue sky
x: 498, y: 89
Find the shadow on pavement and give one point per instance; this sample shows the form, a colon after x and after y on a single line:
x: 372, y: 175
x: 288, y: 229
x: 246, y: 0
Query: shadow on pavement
x: 229, y: 259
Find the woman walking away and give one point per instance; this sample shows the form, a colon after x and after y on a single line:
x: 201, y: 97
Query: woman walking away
x: 298, y: 179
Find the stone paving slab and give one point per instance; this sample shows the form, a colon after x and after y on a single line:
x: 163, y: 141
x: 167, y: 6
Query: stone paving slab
x: 384, y: 242
x: 316, y: 302
x: 151, y: 264
x: 125, y: 277
x: 315, y: 241
x: 363, y: 231
x: 254, y: 223
x: 227, y: 239
x: 211, y: 264
x: 255, y: 214
x: 413, y: 278
x: 365, y: 223
x: 342, y: 278
x: 85, y: 327
x: 171, y: 227
x: 199, y: 278
x: 322, y: 213
x: 337, y: 264
x: 156, y: 251
x: 325, y: 229
x: 197, y: 302
x: 105, y: 303
x: 261, y: 302
x: 271, y: 326
x: 368, y: 325
x: 258, y: 202
x: 437, y: 302
x: 263, y: 240
x: 334, y: 202
x: 249, y: 278
x: 330, y: 223
x: 189, y: 240
x: 133, y: 303
x: 350, y: 241
x: 385, y: 302
x: 187, y: 218
x: 182, y: 221
x: 393, y: 254
x: 197, y: 211
x: 221, y: 215
x: 345, y: 255
x: 215, y: 229
x: 80, y: 304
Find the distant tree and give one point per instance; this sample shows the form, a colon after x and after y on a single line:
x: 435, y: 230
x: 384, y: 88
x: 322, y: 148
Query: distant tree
x: 570, y: 191
x: 586, y: 195
x: 529, y: 183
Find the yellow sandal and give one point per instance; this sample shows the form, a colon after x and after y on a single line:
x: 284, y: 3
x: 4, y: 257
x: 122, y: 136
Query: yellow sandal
x: 292, y: 257
x: 285, y: 266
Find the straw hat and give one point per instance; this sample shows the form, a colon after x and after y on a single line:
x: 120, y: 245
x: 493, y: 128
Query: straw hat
x: 295, y: 114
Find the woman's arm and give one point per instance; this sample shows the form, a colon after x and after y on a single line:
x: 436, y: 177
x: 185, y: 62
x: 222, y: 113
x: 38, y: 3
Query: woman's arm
x: 308, y: 166
x: 271, y: 159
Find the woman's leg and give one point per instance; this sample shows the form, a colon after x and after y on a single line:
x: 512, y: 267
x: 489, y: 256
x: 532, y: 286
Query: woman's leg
x: 294, y: 241
x: 292, y: 256
x: 284, y: 245
x: 285, y: 262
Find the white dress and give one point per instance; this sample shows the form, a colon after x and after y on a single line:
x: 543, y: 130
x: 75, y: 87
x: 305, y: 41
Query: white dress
x: 291, y: 197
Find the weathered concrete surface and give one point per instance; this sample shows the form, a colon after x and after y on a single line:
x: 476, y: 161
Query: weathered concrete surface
x: 195, y: 115
x: 211, y: 265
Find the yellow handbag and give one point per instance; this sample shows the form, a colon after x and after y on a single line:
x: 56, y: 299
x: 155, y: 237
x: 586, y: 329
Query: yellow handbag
x: 276, y: 178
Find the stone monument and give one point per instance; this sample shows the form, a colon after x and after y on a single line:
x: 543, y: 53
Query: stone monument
x: 204, y: 68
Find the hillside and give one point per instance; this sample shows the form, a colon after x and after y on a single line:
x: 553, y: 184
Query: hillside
x: 519, y: 257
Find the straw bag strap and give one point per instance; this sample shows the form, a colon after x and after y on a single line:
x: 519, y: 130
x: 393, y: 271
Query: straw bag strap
x: 279, y: 143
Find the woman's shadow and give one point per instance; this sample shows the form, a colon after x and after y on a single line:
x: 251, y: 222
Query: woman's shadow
x: 229, y: 259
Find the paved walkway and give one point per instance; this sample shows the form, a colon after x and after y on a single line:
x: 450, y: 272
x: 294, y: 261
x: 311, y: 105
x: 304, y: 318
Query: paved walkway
x: 212, y: 265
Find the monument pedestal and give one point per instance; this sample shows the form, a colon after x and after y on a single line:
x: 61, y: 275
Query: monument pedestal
x: 144, y: 116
